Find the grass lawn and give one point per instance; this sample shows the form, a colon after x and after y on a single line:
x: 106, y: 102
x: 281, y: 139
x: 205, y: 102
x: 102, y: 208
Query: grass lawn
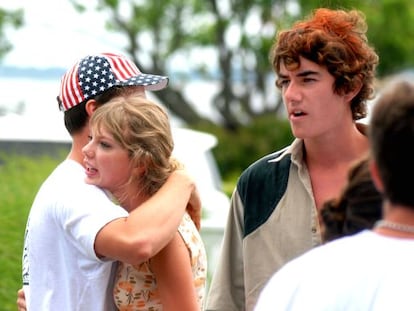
x: 20, y: 179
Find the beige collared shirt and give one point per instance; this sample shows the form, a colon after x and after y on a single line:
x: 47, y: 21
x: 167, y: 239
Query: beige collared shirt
x: 291, y: 228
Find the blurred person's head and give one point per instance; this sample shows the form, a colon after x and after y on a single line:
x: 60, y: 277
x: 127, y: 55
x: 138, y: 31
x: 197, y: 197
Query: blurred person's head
x: 391, y: 133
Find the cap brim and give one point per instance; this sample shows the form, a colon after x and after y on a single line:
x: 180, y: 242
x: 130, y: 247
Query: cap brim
x: 162, y: 84
x: 149, y: 81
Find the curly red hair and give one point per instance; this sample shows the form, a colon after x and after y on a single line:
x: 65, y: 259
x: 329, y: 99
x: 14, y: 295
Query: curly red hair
x: 335, y: 39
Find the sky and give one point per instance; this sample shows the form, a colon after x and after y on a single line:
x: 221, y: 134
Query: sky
x: 55, y: 35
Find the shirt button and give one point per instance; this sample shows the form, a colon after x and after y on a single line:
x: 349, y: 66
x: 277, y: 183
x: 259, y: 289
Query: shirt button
x: 313, y: 230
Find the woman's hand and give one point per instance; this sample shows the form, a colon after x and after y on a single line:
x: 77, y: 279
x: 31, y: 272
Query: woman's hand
x: 21, y: 300
x: 194, y: 208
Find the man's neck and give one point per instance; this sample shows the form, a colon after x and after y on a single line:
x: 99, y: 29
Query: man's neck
x: 336, y: 150
x: 79, y: 140
x: 398, y: 221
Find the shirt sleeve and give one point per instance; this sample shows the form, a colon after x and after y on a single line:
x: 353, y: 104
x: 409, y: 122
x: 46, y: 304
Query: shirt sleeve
x: 227, y: 285
x: 85, y: 214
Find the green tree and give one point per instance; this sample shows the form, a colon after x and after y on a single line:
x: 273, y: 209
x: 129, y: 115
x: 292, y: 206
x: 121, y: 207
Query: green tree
x: 229, y: 41
x: 226, y: 41
x: 8, y: 18
x: 390, y: 28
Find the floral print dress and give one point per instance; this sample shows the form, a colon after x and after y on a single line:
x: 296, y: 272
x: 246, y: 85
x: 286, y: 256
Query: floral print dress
x: 136, y: 287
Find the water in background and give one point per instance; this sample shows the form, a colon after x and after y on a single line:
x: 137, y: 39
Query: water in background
x: 37, y: 97
x: 35, y: 100
x: 29, y: 96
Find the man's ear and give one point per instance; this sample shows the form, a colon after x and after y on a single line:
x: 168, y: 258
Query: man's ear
x: 373, y: 168
x: 349, y: 96
x: 90, y: 106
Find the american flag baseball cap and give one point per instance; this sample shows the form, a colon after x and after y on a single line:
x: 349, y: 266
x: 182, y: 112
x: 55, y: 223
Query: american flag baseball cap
x: 95, y: 74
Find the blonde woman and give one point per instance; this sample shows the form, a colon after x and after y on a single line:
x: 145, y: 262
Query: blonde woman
x: 130, y: 156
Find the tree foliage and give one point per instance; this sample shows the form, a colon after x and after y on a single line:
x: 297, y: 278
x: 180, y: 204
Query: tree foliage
x: 8, y: 18
x: 229, y: 41
x: 390, y: 28
x: 226, y: 41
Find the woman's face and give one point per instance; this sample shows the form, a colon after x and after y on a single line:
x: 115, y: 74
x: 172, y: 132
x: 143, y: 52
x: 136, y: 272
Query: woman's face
x: 107, y: 163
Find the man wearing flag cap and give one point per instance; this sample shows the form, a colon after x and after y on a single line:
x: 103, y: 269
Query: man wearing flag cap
x: 75, y: 233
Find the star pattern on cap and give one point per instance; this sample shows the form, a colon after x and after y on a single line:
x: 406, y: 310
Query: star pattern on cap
x: 96, y: 76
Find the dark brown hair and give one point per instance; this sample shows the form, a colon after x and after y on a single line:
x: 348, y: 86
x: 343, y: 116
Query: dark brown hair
x: 76, y: 118
x: 358, y: 207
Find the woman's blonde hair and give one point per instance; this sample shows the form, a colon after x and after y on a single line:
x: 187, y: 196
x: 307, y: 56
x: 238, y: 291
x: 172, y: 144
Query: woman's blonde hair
x: 141, y: 127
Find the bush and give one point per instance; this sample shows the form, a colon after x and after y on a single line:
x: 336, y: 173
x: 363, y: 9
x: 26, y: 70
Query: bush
x: 237, y: 150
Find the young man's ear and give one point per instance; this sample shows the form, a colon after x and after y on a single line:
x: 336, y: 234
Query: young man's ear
x: 373, y: 168
x: 349, y: 96
x: 91, y: 106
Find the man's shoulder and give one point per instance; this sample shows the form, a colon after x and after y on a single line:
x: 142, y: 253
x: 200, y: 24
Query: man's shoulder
x: 261, y: 186
x: 265, y: 170
x: 66, y: 183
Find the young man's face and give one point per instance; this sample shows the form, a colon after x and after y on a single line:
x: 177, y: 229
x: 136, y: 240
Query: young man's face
x: 313, y: 108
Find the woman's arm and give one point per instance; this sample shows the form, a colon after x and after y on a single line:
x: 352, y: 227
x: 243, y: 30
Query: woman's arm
x: 172, y: 269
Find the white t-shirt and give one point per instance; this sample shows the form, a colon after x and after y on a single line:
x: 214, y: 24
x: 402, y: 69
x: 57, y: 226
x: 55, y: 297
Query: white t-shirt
x: 59, y: 261
x: 363, y: 272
